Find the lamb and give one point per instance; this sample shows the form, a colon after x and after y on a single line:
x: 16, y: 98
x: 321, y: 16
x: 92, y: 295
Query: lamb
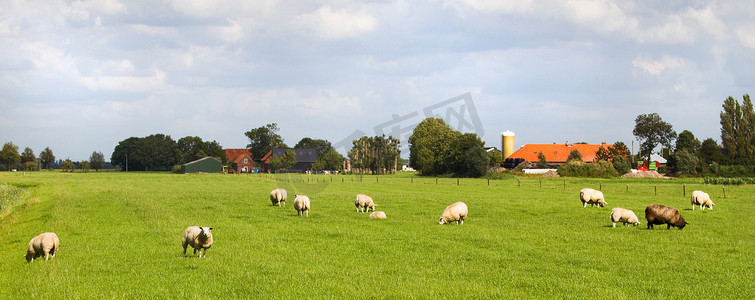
x: 44, y: 244
x: 364, y: 202
x: 592, y: 197
x: 455, y: 212
x: 301, y: 204
x: 377, y: 215
x: 657, y: 214
x: 198, y: 238
x: 625, y: 216
x: 703, y: 199
x: 278, y: 196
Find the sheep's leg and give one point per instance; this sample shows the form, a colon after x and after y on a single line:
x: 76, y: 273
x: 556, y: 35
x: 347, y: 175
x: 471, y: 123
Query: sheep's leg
x: 308, y: 213
x: 614, y: 224
x: 47, y: 255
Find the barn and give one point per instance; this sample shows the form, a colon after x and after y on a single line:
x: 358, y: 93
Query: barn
x: 305, y: 157
x: 202, y: 165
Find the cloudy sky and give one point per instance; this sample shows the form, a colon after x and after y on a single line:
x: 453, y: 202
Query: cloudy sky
x: 80, y: 76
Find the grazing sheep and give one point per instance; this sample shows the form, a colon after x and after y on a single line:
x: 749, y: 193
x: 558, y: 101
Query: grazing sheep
x: 592, y: 197
x: 455, y: 212
x: 624, y: 215
x: 301, y: 204
x: 703, y: 199
x: 199, y: 238
x: 44, y: 244
x: 278, y: 196
x: 377, y: 215
x: 364, y: 202
x: 657, y: 214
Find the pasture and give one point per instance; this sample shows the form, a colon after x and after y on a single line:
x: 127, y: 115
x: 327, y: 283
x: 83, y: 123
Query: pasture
x: 120, y: 237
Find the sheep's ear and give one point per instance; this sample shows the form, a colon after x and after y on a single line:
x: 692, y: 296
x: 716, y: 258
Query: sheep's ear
x: 210, y: 228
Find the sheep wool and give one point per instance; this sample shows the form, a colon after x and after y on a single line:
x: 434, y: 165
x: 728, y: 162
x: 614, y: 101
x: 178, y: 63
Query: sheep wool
x: 625, y: 216
x: 301, y: 204
x: 199, y: 238
x: 456, y: 212
x: 278, y: 197
x: 377, y: 215
x: 657, y: 214
x: 44, y: 244
x: 364, y: 202
x: 592, y: 197
x: 703, y: 199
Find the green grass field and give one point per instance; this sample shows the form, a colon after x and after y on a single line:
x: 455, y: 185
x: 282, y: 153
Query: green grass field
x: 528, y: 238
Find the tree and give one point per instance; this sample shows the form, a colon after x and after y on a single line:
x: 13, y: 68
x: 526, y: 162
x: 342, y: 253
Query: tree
x: 84, y: 166
x: 126, y: 153
x: 574, y: 155
x: 687, y: 141
x: 651, y: 130
x: 467, y: 156
x: 191, y: 148
x: 495, y: 157
x: 68, y: 165
x: 330, y: 160
x: 288, y: 160
x: 738, y: 129
x: 274, y: 163
x: 97, y: 160
x: 263, y: 139
x: 47, y: 158
x: 9, y: 155
x: 710, y: 152
x: 378, y: 154
x: 429, y: 144
x: 541, y: 161
x: 686, y: 161
x: 30, y: 166
x: 322, y: 146
x: 28, y: 156
x: 621, y: 164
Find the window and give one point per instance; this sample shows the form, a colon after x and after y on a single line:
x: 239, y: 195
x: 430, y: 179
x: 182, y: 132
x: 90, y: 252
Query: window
x: 246, y: 161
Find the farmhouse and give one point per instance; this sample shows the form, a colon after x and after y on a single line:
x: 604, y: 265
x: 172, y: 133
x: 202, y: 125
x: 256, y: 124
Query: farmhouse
x: 305, y: 157
x: 240, y: 160
x: 203, y: 165
x: 555, y: 154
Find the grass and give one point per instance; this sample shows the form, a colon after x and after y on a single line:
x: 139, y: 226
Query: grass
x: 525, y: 238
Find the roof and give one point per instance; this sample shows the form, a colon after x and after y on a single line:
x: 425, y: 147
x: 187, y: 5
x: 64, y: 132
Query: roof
x: 235, y: 154
x: 556, y: 152
x: 303, y: 155
x: 201, y: 159
x: 658, y: 158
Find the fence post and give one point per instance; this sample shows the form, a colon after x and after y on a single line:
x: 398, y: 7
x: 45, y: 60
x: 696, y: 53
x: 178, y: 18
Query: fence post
x: 541, y: 183
x: 724, y: 188
x: 601, y: 186
x: 564, y: 185
x: 457, y: 181
x: 436, y: 179
x: 656, y: 190
x: 377, y: 179
x: 684, y: 190
x: 412, y: 179
x: 627, y: 188
x: 488, y: 181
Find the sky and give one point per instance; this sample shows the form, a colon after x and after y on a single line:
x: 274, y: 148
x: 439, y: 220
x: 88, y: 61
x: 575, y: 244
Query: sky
x: 81, y: 76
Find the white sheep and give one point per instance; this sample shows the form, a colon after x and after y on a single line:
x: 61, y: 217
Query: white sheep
x: 278, y: 196
x: 456, y: 212
x: 301, y: 204
x: 198, y: 238
x: 626, y: 216
x: 377, y: 215
x: 364, y: 202
x: 44, y: 244
x: 703, y: 199
x: 592, y: 197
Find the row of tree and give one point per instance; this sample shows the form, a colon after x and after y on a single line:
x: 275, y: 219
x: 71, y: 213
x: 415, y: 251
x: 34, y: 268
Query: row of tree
x: 12, y: 159
x: 159, y: 152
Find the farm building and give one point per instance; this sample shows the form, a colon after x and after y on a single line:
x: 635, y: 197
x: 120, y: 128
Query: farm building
x: 240, y: 160
x: 305, y: 157
x: 202, y: 165
x: 556, y: 154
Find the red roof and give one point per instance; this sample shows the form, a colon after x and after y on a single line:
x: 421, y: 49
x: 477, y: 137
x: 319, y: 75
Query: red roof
x: 556, y: 152
x: 234, y: 154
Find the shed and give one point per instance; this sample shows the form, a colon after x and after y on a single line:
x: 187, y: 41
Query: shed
x: 203, y: 165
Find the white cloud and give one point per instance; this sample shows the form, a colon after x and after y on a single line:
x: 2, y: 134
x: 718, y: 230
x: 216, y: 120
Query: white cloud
x: 506, y: 6
x: 746, y: 35
x: 656, y: 67
x: 336, y: 25
x: 126, y: 83
x: 231, y: 33
x: 109, y: 7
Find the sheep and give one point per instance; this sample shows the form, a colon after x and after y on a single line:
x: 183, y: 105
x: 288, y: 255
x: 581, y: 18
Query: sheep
x: 592, y: 197
x: 301, y: 204
x: 703, y: 199
x: 198, y: 238
x: 278, y: 196
x: 364, y: 202
x: 625, y: 216
x: 44, y: 244
x: 377, y: 215
x: 657, y: 214
x: 455, y: 212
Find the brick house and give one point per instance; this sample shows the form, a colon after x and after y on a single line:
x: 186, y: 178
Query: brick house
x: 240, y: 160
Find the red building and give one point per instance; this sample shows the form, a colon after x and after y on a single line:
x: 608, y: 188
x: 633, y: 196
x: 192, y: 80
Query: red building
x: 557, y: 153
x: 240, y: 160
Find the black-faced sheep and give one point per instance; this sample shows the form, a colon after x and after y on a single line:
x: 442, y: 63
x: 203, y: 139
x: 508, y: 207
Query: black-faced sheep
x: 456, y: 212
x: 657, y: 214
x: 44, y: 244
x: 198, y: 238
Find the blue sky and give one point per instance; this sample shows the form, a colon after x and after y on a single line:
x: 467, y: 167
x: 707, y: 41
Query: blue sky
x: 80, y: 76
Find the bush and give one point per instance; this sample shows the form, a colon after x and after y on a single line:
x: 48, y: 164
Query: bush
x: 732, y: 170
x: 621, y: 164
x: 176, y: 169
x: 729, y: 180
x: 576, y: 168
